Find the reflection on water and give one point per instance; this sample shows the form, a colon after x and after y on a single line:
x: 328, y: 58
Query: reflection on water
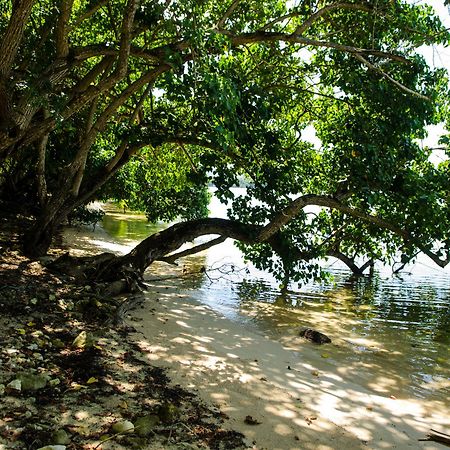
x: 405, y: 322
x: 389, y: 333
x: 127, y: 226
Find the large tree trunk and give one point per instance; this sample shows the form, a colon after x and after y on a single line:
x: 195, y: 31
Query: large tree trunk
x: 131, y: 267
x: 159, y: 245
x: 9, y: 45
x: 38, y: 239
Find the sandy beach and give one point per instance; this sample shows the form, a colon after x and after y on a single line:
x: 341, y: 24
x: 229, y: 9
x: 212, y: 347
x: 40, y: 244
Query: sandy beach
x: 282, y: 395
x: 299, y: 401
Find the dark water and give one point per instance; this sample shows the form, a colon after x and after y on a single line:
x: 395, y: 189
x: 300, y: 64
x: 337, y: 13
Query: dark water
x: 391, y: 331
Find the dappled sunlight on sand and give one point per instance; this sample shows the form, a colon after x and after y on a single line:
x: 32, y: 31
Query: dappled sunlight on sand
x: 83, y: 240
x: 378, y: 365
x: 350, y: 394
x: 303, y: 401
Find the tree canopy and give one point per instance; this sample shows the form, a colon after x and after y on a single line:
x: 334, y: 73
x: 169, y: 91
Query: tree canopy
x: 150, y: 102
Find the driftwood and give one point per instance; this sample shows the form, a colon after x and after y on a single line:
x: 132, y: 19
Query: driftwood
x: 438, y: 436
x: 315, y: 336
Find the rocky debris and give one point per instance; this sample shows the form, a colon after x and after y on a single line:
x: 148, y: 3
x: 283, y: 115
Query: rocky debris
x: 60, y: 437
x: 14, y: 386
x: 83, y: 340
x: 168, y: 412
x: 315, y: 336
x: 67, y: 380
x: 33, y: 382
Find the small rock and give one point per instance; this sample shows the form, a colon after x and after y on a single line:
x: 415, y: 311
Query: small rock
x: 57, y: 343
x: 60, y: 437
x: 38, y: 334
x: 33, y: 382
x: 14, y: 386
x: 44, y: 260
x: 124, y: 426
x: 144, y: 425
x: 2, y: 389
x: 249, y: 420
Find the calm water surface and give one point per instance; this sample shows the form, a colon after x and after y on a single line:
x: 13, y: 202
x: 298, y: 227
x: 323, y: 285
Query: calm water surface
x: 391, y: 333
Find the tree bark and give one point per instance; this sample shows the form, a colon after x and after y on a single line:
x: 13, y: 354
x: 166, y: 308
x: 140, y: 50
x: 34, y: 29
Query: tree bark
x: 62, y: 29
x: 37, y: 240
x: 161, y: 244
x: 9, y: 46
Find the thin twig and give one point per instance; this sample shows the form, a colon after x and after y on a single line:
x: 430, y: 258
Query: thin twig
x: 388, y: 77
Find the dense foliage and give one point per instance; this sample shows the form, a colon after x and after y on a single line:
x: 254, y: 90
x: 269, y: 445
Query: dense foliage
x: 148, y: 102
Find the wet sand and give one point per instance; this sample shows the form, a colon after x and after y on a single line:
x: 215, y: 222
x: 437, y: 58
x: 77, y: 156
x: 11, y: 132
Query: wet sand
x: 300, y: 400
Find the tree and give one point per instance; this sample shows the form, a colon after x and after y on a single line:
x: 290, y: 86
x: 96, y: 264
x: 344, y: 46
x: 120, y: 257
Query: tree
x: 94, y: 94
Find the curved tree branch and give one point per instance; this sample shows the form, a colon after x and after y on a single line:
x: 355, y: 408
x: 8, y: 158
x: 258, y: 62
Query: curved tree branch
x: 256, y: 37
x: 349, y: 262
x: 316, y: 16
x: 388, y: 77
x: 298, y: 204
x: 227, y: 14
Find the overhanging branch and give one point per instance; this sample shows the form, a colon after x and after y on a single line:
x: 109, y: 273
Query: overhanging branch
x: 192, y: 251
x: 228, y: 13
x: 285, y: 216
x: 257, y: 37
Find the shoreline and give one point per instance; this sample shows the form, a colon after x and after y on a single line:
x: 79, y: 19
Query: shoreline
x: 301, y: 401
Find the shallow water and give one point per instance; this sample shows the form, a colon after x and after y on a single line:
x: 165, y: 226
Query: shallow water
x: 391, y: 334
